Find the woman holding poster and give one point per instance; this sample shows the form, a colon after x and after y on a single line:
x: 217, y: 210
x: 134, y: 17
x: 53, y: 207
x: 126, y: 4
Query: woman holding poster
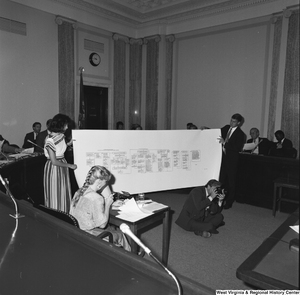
x: 57, y: 187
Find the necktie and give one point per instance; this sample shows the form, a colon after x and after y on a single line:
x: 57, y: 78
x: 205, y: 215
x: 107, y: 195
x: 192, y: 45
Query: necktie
x: 226, y: 139
x: 228, y: 134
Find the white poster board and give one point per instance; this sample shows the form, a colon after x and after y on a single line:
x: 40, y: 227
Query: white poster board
x: 146, y: 160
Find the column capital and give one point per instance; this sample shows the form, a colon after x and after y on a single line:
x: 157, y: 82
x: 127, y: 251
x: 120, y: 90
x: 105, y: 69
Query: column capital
x: 274, y: 19
x: 170, y: 38
x: 156, y: 38
x: 287, y: 13
x: 60, y: 19
x: 117, y: 37
x: 136, y: 41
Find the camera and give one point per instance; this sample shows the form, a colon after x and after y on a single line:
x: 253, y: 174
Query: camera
x: 219, y: 190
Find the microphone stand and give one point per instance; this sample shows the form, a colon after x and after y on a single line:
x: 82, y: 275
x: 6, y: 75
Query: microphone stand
x: 4, y: 156
x: 256, y: 146
x: 17, y: 214
x: 126, y: 230
x: 168, y: 272
x: 10, y: 244
x: 35, y: 144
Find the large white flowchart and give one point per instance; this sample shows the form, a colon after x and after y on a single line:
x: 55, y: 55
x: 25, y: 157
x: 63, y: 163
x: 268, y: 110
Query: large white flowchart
x: 144, y: 161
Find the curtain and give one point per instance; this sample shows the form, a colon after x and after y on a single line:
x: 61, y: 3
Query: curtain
x: 152, y: 83
x: 66, y: 68
x: 169, y: 74
x: 290, y: 108
x: 135, y: 81
x: 119, y: 80
x: 274, y: 77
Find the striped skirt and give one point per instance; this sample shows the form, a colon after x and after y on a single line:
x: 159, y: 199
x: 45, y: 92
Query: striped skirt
x: 57, y: 187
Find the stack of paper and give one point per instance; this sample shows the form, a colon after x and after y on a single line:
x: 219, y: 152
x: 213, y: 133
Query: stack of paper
x: 131, y: 211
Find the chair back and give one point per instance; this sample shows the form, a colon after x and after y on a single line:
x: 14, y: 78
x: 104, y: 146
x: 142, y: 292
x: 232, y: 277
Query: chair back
x: 59, y: 214
x: 106, y: 235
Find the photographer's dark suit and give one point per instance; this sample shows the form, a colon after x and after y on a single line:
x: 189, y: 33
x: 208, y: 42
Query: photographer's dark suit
x: 230, y: 159
x: 199, y: 213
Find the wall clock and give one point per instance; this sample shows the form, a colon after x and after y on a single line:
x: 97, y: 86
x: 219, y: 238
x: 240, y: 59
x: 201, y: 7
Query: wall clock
x: 94, y: 59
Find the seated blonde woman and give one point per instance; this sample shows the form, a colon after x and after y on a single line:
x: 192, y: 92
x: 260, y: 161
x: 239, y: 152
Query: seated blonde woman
x: 91, y: 209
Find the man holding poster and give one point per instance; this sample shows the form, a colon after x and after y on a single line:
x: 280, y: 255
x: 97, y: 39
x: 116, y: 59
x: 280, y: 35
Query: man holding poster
x: 232, y: 140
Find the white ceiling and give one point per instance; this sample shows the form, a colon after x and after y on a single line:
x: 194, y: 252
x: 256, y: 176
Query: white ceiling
x: 168, y: 11
x: 139, y: 18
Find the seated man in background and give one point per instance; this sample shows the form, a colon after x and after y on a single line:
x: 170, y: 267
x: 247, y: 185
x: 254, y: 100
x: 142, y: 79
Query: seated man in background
x: 136, y: 127
x: 41, y: 137
x: 283, y: 147
x: 201, y: 212
x: 120, y: 125
x: 7, y: 148
x: 189, y: 125
x: 262, y: 145
x: 31, y: 136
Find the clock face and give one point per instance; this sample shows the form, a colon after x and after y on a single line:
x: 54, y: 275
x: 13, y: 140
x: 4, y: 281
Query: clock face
x: 95, y: 59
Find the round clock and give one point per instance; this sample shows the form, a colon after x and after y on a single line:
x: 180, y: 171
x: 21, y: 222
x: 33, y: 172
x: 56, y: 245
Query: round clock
x: 95, y: 59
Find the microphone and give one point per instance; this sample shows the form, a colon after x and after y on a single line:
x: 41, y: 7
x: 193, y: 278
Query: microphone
x: 4, y: 156
x: 35, y: 144
x: 256, y: 146
x: 17, y: 214
x: 126, y: 230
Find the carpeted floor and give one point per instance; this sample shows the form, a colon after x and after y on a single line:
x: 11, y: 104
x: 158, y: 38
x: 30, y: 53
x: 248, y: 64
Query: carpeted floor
x: 213, y: 261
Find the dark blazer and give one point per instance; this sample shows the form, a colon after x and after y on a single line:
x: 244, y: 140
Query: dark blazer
x: 40, y: 141
x: 287, y: 149
x: 27, y: 144
x: 194, y: 208
x: 235, y: 143
x: 263, y: 147
x: 287, y: 144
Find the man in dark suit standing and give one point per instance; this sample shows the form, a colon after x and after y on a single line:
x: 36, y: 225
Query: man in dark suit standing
x: 232, y: 140
x: 262, y: 145
x: 32, y: 135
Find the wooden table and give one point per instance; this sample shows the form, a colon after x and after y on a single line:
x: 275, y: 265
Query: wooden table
x: 256, y: 175
x: 138, y: 226
x: 273, y: 265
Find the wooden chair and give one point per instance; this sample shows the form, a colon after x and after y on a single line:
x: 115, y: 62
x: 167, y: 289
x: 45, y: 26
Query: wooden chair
x: 279, y: 184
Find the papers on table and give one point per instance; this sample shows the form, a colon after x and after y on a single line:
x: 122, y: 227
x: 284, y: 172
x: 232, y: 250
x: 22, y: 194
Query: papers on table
x: 28, y: 151
x: 152, y: 207
x: 133, y: 211
x: 249, y: 146
x: 24, y: 153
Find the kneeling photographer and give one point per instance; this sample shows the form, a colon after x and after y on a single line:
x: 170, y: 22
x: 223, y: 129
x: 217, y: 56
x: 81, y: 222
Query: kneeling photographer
x: 201, y: 212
